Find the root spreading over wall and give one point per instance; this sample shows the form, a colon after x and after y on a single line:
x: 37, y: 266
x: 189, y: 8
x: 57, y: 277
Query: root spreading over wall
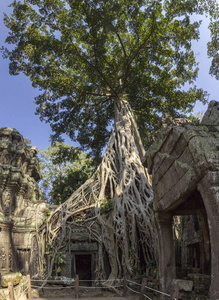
x: 113, y: 205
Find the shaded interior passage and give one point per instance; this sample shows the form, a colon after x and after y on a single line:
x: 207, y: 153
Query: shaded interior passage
x: 83, y: 268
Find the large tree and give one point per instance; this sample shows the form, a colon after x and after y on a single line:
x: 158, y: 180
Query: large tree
x: 102, y: 61
x: 83, y: 55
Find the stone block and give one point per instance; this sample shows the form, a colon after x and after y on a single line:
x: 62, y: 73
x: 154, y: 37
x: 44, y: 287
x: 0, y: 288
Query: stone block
x: 211, y: 116
x: 184, y: 285
x: 174, y: 197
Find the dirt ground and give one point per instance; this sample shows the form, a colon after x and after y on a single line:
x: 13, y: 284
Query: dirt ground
x: 91, y: 298
x: 85, y: 294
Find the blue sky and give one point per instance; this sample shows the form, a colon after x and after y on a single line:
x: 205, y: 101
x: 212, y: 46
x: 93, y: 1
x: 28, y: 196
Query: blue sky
x: 17, y: 109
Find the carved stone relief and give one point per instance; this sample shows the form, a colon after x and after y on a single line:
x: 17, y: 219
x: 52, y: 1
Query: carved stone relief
x: 21, y: 207
x: 3, y: 257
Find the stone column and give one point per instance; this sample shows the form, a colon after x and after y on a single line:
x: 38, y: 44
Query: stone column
x: 5, y: 248
x: 210, y: 195
x: 166, y: 250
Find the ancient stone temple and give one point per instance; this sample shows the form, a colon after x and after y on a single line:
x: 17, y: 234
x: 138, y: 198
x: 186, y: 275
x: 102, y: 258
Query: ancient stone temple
x: 184, y: 164
x: 81, y: 256
x: 21, y: 208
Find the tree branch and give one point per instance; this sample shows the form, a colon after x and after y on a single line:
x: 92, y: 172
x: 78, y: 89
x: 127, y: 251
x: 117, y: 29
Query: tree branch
x: 88, y: 62
x: 91, y: 93
x: 123, y: 48
x: 136, y: 53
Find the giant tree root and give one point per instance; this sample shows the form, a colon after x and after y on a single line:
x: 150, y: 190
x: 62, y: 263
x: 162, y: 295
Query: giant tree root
x: 113, y: 205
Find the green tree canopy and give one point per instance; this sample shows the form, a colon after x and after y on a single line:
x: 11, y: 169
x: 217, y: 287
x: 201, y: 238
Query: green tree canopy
x: 213, y: 46
x: 64, y: 169
x: 83, y: 55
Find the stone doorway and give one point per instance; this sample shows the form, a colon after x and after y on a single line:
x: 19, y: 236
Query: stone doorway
x: 183, y: 234
x: 191, y: 237
x: 82, y: 265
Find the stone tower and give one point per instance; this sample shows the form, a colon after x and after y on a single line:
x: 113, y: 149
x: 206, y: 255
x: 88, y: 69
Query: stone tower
x: 21, y: 207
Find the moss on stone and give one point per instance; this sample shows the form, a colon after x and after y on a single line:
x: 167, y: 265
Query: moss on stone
x: 15, y: 278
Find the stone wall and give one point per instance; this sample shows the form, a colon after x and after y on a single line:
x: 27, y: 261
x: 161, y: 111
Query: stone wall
x: 184, y: 163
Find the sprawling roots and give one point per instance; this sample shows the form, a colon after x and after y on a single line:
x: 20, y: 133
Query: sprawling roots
x: 112, y: 207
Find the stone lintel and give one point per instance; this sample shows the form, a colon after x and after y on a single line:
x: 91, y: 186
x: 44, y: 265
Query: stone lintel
x: 84, y: 246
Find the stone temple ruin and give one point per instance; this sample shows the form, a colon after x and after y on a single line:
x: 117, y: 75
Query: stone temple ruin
x: 183, y: 162
x: 21, y: 208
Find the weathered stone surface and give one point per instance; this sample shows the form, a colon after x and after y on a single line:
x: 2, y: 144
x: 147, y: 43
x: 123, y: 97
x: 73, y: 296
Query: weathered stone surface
x: 211, y: 117
x: 84, y: 246
x: 21, y: 207
x: 184, y: 163
x: 184, y: 285
x: 15, y: 278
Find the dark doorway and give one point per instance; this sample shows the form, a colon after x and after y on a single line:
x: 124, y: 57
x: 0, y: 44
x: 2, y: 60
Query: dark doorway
x: 191, y: 237
x: 83, y: 268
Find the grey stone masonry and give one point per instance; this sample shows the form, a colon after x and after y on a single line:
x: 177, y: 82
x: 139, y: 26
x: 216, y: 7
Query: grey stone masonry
x: 21, y: 207
x: 184, y: 162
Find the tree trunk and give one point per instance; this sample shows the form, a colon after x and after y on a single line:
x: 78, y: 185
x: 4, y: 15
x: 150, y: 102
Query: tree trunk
x: 114, y: 204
